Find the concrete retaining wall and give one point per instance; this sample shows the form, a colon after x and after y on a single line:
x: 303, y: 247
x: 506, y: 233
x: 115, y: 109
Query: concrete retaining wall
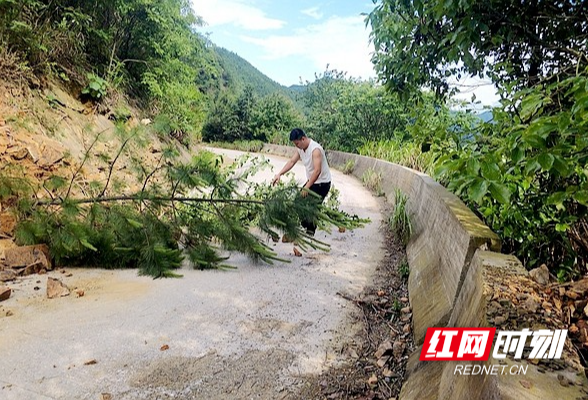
x: 451, y: 271
x: 445, y: 237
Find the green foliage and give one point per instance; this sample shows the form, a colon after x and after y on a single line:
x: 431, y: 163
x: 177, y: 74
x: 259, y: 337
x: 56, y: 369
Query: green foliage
x: 121, y: 114
x: 237, y: 74
x: 96, y: 87
x: 273, y: 117
x: 525, y: 171
x: 343, y: 113
x: 408, y: 154
x: 399, y: 220
x: 103, y: 236
x: 424, y: 43
x: 146, y: 47
x: 43, y: 35
x: 13, y: 185
x: 249, y: 118
x: 373, y: 181
x: 332, y: 199
x: 526, y: 174
x: 230, y: 118
x: 396, y: 306
x: 356, y: 116
x: 221, y: 121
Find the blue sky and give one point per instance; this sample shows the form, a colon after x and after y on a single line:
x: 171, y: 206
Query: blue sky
x: 292, y: 40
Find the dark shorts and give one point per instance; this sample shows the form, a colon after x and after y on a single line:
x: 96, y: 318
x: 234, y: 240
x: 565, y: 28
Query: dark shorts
x: 322, y: 189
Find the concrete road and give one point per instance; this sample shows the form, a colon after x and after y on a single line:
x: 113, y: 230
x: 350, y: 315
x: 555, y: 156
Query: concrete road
x: 242, y: 334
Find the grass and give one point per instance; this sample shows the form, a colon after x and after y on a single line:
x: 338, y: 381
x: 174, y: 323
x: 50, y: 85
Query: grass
x: 407, y: 154
x: 251, y: 146
x: 404, y: 269
x: 399, y: 220
x: 373, y: 181
x: 349, y: 167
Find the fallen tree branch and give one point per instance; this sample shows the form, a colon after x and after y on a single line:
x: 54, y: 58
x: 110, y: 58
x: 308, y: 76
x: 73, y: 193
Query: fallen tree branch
x: 57, y: 202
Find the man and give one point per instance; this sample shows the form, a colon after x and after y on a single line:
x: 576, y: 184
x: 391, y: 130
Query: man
x: 318, y: 174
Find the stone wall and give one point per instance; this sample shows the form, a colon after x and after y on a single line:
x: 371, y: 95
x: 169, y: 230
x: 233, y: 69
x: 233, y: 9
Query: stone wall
x: 454, y: 259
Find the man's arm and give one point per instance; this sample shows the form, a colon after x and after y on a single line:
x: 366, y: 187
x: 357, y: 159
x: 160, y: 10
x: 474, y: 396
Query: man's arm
x: 289, y: 165
x: 317, y: 163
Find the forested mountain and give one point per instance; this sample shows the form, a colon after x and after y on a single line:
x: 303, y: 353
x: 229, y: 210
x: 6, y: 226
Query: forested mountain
x: 239, y: 73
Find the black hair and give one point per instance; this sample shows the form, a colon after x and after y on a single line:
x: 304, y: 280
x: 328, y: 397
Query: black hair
x: 297, y: 134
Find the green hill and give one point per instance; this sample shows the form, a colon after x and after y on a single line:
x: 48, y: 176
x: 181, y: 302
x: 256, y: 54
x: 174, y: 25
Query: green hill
x: 238, y: 73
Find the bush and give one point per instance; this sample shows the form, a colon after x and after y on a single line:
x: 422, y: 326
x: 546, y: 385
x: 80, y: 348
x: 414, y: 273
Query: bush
x: 525, y: 173
x: 97, y: 88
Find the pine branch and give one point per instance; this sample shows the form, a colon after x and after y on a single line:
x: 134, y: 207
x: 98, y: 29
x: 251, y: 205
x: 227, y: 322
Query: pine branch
x: 58, y: 202
x: 122, y: 147
x: 86, y: 156
x: 153, y: 229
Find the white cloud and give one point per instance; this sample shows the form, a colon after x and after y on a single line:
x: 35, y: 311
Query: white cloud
x: 340, y: 42
x: 313, y: 12
x: 483, y: 89
x: 234, y: 12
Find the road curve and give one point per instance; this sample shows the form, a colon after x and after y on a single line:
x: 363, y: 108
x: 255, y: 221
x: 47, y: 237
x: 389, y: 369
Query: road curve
x: 242, y: 334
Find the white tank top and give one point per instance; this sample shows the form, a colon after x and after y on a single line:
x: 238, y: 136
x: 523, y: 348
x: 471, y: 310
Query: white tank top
x: 306, y: 157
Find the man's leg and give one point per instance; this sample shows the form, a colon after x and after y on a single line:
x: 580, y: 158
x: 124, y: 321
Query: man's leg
x: 322, y: 189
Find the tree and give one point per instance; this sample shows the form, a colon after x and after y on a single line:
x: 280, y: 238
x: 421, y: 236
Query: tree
x: 344, y: 113
x: 244, y: 109
x: 423, y: 43
x: 367, y: 112
x: 274, y: 115
x: 525, y: 171
x: 221, y: 121
x: 193, y: 209
x: 230, y: 119
x: 147, y: 48
x: 319, y: 105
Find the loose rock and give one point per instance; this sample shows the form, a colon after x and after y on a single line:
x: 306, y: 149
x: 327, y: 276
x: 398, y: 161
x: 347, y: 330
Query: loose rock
x: 7, y: 224
x: 56, y: 288
x: 28, y: 255
x: 7, y: 275
x: 384, y: 348
x: 540, y: 275
x: 5, y: 292
x: 398, y: 349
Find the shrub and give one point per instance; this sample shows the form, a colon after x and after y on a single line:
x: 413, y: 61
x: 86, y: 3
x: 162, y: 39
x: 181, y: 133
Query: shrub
x: 96, y: 87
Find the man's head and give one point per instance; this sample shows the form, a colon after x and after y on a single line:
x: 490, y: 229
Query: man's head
x: 299, y: 138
